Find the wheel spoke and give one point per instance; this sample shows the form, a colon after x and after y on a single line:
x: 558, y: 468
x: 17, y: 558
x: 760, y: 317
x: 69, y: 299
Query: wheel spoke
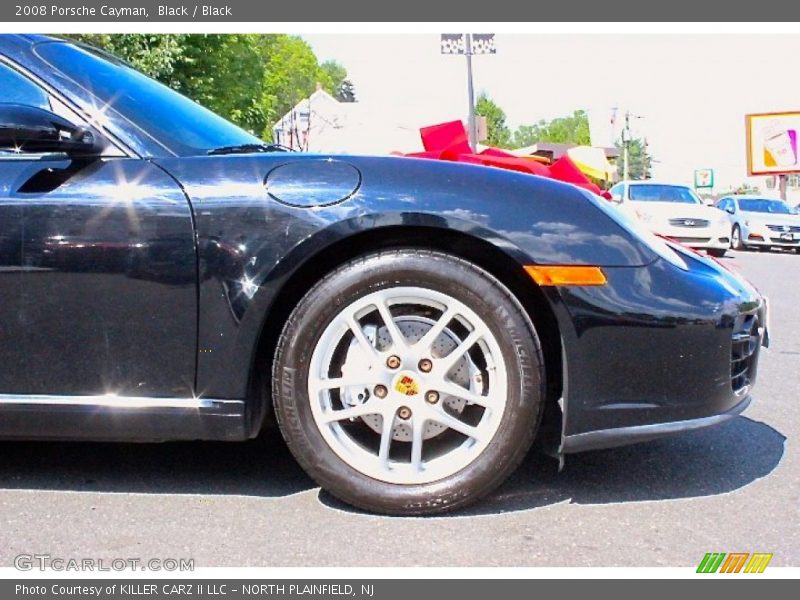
x: 363, y: 341
x: 440, y: 416
x: 417, y: 433
x: 387, y: 432
x: 449, y: 361
x: 398, y: 340
x: 452, y: 389
x: 427, y: 340
x: 320, y: 385
x: 351, y: 412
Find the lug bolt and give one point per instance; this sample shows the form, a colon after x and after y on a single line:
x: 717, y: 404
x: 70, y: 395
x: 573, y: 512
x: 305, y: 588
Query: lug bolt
x: 425, y: 365
x: 381, y: 391
x: 431, y: 397
x: 404, y: 412
x: 393, y: 362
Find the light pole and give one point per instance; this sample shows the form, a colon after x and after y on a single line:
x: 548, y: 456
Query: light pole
x: 472, y: 127
x: 469, y: 44
x: 625, y: 134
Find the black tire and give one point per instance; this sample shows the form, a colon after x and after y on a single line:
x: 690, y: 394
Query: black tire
x: 736, y: 239
x: 716, y: 252
x: 461, y: 280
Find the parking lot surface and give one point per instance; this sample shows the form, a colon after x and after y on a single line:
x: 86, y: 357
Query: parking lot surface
x: 733, y: 488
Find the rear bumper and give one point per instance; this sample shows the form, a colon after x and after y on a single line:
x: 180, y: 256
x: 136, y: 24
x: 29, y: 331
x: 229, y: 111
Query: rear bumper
x: 657, y: 351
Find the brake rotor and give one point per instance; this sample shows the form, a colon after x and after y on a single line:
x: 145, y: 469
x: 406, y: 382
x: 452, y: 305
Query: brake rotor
x: 413, y: 329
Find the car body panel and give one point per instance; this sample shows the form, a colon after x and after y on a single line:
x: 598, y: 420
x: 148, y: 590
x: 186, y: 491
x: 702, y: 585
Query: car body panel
x: 98, y: 279
x: 652, y: 346
x: 120, y: 418
x: 250, y: 244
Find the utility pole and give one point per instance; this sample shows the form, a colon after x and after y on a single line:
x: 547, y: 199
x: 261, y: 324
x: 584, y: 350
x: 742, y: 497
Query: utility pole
x: 626, y: 132
x: 626, y: 142
x: 613, y: 121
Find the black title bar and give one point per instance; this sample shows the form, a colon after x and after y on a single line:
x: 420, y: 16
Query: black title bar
x: 280, y: 11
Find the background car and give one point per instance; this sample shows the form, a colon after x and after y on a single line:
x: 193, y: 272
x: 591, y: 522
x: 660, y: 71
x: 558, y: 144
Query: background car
x: 758, y: 222
x: 410, y: 325
x: 676, y: 212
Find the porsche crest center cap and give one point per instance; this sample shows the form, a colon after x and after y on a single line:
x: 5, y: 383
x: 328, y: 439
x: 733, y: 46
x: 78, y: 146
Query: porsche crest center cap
x: 406, y: 385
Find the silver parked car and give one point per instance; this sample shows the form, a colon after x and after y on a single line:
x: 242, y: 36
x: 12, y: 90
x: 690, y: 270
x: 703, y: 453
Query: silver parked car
x: 761, y: 222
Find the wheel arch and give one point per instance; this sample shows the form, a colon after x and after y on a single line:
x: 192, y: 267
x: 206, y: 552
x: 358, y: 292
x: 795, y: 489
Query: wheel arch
x: 462, y: 245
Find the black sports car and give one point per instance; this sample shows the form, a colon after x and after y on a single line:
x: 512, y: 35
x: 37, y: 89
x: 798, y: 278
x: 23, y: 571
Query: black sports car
x: 412, y: 325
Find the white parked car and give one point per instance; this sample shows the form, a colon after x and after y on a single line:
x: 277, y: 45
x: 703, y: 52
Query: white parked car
x: 761, y: 222
x: 676, y: 212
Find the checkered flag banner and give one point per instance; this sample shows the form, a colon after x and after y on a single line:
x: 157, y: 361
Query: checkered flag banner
x: 483, y: 43
x: 456, y: 43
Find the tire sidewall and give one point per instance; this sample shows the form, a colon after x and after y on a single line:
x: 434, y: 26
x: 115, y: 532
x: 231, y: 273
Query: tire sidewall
x: 739, y: 245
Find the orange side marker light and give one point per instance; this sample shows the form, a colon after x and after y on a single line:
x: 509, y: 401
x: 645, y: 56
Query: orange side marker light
x: 566, y: 275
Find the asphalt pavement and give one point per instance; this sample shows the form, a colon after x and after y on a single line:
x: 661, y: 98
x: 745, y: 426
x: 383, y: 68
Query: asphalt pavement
x: 733, y: 488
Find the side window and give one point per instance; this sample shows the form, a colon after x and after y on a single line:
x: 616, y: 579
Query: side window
x: 616, y: 192
x: 18, y: 89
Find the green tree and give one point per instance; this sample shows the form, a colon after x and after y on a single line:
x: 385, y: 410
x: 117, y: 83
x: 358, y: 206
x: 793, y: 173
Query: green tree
x: 527, y: 135
x: 336, y: 82
x: 251, y: 79
x: 640, y: 162
x: 225, y: 73
x: 153, y: 54
x: 572, y: 129
x: 497, y: 132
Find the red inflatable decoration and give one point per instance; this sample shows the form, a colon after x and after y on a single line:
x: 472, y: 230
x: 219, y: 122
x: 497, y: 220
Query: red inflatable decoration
x: 448, y: 141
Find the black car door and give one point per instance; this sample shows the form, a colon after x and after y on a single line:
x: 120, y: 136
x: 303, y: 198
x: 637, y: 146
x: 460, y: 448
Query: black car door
x: 97, y: 272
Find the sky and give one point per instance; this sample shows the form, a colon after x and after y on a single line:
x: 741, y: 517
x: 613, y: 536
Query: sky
x: 691, y: 90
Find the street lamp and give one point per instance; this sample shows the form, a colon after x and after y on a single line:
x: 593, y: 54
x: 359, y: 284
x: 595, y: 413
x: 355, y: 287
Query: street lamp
x: 469, y: 44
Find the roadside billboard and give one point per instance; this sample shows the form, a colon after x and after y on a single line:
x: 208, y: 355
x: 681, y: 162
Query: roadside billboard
x: 772, y: 144
x: 704, y: 178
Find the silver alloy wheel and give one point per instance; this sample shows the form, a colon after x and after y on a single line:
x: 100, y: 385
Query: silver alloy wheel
x: 407, y: 385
